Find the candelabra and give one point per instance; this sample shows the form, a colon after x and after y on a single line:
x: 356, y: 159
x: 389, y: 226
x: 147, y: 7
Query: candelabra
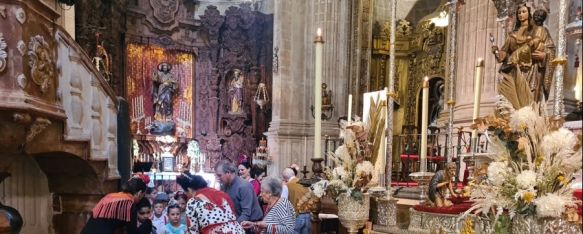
x: 138, y: 111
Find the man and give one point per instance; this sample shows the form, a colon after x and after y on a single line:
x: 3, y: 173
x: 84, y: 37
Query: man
x: 296, y: 192
x: 240, y: 191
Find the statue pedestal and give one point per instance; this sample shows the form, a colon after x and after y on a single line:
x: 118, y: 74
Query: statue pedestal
x: 386, y: 215
x: 426, y: 222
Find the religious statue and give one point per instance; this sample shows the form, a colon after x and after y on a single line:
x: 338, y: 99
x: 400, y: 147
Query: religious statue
x: 101, y: 60
x: 526, y: 59
x: 164, y: 88
x: 326, y: 96
x: 437, y: 104
x: 440, y: 184
x: 236, y: 92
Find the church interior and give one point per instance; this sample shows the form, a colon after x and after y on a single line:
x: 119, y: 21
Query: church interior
x: 399, y: 116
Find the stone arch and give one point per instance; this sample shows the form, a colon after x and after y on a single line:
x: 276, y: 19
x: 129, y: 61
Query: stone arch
x: 27, y: 190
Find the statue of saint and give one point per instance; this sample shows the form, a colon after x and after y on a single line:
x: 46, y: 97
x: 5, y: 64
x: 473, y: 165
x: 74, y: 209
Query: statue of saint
x: 164, y: 88
x: 236, y: 92
x: 545, y: 49
x: 440, y: 184
x: 525, y: 58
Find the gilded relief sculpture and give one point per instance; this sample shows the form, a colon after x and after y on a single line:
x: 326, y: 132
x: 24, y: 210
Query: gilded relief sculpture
x: 526, y: 59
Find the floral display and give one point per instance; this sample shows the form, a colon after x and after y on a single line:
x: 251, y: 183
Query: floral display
x: 533, y: 165
x: 354, y: 173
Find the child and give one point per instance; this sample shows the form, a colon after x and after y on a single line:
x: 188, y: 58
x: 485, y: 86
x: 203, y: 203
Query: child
x: 159, y: 218
x: 175, y: 227
x: 181, y: 200
x: 143, y: 224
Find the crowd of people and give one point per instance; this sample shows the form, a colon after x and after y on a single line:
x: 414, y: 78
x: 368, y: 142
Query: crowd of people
x: 247, y: 202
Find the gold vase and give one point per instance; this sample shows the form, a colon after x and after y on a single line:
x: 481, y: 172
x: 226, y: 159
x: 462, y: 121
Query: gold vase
x: 353, y: 213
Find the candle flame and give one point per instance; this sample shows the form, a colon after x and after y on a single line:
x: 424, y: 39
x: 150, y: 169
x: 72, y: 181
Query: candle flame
x: 319, y: 32
x: 426, y: 79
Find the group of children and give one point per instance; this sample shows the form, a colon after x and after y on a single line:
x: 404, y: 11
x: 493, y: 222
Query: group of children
x: 168, y: 216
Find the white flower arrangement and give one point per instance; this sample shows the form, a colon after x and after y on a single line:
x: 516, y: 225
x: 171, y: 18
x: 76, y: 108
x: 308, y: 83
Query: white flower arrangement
x: 551, y: 205
x: 353, y: 173
x: 522, y: 119
x: 364, y: 168
x: 319, y: 188
x: 532, y: 170
x: 497, y: 172
x: 526, y: 179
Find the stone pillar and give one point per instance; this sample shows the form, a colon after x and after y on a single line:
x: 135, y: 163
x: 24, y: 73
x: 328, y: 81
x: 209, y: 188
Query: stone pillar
x: 295, y: 24
x: 476, y: 20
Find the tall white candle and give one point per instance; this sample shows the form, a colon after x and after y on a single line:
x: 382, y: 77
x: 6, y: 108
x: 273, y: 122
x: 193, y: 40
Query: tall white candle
x: 424, y: 116
x: 141, y: 106
x: 477, y: 93
x: 349, y: 108
x: 305, y: 149
x: 318, y: 96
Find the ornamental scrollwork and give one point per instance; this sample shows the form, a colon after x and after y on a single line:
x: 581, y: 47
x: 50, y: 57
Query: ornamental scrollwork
x: 3, y: 11
x: 3, y: 53
x: 40, y: 62
x: 21, y: 80
x: 20, y: 15
x: 37, y: 127
x: 165, y: 10
x: 21, y: 46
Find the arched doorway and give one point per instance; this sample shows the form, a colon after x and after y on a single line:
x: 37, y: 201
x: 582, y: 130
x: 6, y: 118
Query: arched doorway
x: 27, y: 190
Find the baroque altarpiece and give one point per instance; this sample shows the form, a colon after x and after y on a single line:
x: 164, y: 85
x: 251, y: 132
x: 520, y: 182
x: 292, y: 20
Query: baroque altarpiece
x: 193, y: 77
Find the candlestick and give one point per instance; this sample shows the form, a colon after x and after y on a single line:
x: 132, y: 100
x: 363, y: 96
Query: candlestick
x: 477, y: 96
x: 349, y: 108
x: 318, y: 95
x: 424, y: 116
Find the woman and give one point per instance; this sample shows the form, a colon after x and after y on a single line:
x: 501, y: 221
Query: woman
x: 244, y: 171
x: 114, y: 211
x: 279, y: 216
x: 257, y: 174
x: 209, y: 210
x: 518, y: 56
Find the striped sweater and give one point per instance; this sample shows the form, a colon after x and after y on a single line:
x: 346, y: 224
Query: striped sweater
x: 281, y: 218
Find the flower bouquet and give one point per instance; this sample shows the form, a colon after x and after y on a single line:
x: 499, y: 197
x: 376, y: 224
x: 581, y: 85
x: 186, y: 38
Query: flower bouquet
x: 532, y: 169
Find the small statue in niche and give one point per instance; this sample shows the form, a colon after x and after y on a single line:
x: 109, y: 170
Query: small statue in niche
x: 437, y: 105
x: 163, y: 91
x: 440, y: 184
x: 326, y: 96
x: 236, y: 92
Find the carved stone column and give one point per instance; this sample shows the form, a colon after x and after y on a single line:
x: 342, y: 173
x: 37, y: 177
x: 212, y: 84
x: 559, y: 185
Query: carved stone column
x: 560, y: 61
x: 476, y: 20
x: 290, y: 134
x: 360, y: 51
